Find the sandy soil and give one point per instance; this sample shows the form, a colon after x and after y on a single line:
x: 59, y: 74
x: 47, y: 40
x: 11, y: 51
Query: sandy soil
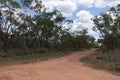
x: 65, y: 68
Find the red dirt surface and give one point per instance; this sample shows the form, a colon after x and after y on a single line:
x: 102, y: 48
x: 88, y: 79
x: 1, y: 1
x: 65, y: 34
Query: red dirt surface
x: 64, y: 68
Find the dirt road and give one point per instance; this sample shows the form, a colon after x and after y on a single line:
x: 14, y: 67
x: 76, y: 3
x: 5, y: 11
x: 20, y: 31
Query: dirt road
x: 65, y: 68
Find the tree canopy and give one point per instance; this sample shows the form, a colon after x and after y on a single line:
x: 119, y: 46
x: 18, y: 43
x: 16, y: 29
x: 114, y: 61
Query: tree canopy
x: 37, y: 28
x: 108, y: 25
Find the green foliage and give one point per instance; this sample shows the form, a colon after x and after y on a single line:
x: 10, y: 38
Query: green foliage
x: 108, y: 25
x: 77, y: 41
x: 21, y: 33
x: 107, y: 60
x: 14, y: 56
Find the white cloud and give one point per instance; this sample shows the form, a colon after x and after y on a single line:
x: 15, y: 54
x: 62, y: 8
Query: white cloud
x: 105, y: 3
x: 49, y: 4
x: 84, y: 22
x: 84, y: 16
x: 66, y: 7
x: 86, y: 3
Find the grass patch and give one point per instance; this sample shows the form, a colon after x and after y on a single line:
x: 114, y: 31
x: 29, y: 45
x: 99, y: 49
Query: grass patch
x: 14, y: 56
x: 107, y: 60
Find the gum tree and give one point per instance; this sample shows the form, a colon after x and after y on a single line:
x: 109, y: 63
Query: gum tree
x: 108, y: 25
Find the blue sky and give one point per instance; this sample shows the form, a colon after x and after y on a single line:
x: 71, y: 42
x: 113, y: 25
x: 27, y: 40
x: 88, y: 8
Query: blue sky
x: 81, y: 11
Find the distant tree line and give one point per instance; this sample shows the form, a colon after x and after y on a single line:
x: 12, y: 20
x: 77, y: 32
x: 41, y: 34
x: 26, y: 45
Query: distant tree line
x: 40, y: 29
x: 108, y: 26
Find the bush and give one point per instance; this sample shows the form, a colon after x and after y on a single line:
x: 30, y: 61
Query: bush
x: 19, y: 52
x: 26, y: 51
x: 42, y: 50
x: 29, y: 55
x: 107, y: 60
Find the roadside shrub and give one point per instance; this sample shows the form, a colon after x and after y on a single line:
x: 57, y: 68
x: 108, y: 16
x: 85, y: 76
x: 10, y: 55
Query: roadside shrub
x: 107, y: 60
x: 41, y: 50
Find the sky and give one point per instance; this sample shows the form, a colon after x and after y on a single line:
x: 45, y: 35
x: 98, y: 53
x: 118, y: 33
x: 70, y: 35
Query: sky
x: 81, y: 11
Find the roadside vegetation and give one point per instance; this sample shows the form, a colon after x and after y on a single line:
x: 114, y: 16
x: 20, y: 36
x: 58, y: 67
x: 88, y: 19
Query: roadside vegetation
x: 108, y: 56
x: 37, y: 34
x: 19, y: 56
x: 31, y: 31
x: 104, y: 60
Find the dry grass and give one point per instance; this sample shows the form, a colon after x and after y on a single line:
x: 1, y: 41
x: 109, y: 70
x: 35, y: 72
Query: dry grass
x: 108, y: 60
